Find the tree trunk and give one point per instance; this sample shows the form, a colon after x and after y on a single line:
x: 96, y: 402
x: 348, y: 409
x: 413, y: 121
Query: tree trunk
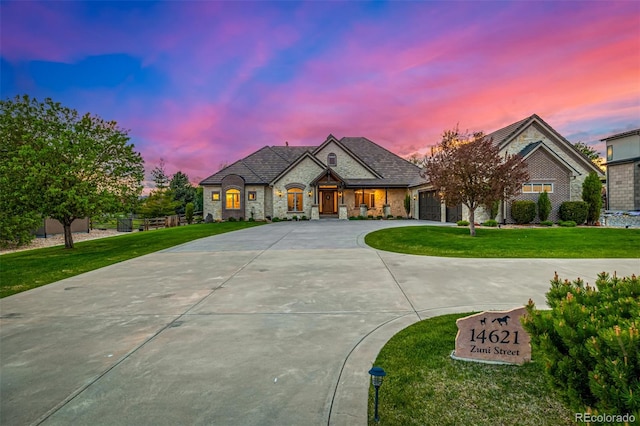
x: 472, y: 224
x: 68, y: 236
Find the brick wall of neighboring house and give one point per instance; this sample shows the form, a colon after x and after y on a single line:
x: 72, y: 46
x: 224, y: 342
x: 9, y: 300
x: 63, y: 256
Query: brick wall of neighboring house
x: 301, y: 174
x: 621, y: 186
x: 543, y: 168
x: 233, y: 182
x: 347, y: 167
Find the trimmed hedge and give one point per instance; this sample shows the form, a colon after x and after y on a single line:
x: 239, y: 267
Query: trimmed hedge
x: 575, y: 211
x: 523, y: 211
x: 491, y: 223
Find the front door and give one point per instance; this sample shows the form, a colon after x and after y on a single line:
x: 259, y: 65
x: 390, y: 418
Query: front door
x: 328, y: 202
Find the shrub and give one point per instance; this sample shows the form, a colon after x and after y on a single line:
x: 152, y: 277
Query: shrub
x: 370, y: 216
x: 590, y: 342
x: 574, y: 210
x: 303, y: 217
x: 188, y: 212
x: 493, y: 209
x: 352, y: 218
x: 523, y: 211
x: 361, y: 217
x: 592, y: 195
x: 379, y: 217
x: 544, y: 206
x: 275, y: 219
x: 389, y: 216
x: 546, y: 223
x: 231, y: 219
x: 567, y: 223
x: 492, y: 223
x: 294, y: 217
x: 462, y: 223
x: 251, y: 219
x: 407, y: 204
x: 399, y: 217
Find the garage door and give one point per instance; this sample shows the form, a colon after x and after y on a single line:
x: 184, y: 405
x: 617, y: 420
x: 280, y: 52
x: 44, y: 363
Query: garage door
x: 454, y: 214
x: 429, y: 206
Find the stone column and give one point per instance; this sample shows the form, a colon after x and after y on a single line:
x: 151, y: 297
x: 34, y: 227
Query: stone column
x: 315, y: 212
x: 342, y: 212
x: 363, y: 210
x: 386, y: 210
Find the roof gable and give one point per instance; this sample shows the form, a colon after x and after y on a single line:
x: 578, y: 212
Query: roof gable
x: 508, y: 135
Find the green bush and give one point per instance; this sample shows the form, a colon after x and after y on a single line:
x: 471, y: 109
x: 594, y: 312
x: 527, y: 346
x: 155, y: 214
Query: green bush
x: 590, y: 342
x: 188, y: 212
x: 462, y: 223
x: 574, y: 210
x: 275, y: 219
x: 352, y: 218
x: 231, y: 219
x: 379, y: 217
x: 399, y: 217
x: 544, y: 206
x: 304, y: 217
x: 389, y: 216
x: 492, y: 223
x: 567, y: 223
x: 546, y: 223
x: 523, y: 211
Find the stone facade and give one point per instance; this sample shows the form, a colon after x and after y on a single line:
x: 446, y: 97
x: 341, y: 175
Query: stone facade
x: 624, y: 186
x: 346, y: 165
x: 299, y: 176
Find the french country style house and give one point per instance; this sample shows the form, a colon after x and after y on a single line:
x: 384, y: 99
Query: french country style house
x: 353, y: 176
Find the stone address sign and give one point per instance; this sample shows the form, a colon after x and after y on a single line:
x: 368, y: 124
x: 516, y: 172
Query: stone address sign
x: 493, y: 336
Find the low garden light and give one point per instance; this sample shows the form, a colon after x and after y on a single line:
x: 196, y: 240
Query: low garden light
x: 377, y: 376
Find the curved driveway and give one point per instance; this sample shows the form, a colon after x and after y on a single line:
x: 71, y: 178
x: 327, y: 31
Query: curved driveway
x: 273, y: 325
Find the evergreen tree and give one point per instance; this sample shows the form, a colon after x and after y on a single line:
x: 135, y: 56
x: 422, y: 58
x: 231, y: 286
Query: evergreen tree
x: 183, y: 191
x: 592, y: 195
x: 544, y: 206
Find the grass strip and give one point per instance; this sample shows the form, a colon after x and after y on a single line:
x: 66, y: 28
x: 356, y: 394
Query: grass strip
x: 424, y: 386
x: 567, y: 243
x: 29, y: 269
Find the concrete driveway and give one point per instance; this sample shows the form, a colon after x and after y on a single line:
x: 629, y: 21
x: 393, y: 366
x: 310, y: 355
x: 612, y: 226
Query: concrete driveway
x: 274, y: 325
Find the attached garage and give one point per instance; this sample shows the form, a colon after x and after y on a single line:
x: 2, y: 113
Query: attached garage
x: 429, y: 206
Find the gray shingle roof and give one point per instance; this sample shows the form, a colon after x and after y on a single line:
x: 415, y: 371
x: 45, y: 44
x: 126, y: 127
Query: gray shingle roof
x: 501, y: 135
x: 267, y: 163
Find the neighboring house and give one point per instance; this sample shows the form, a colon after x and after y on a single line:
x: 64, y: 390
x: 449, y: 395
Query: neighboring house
x: 339, y: 178
x: 53, y: 227
x: 554, y: 164
x: 623, y: 170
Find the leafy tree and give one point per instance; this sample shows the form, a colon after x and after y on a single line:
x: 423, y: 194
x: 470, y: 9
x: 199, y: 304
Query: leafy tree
x: 590, y: 153
x: 63, y: 165
x: 544, y: 206
x: 159, y: 203
x: 416, y: 158
x: 183, y: 191
x: 198, y: 201
x: 469, y: 169
x: 592, y: 195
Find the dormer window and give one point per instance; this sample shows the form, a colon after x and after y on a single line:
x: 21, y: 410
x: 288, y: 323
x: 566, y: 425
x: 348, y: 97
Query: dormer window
x: 332, y: 160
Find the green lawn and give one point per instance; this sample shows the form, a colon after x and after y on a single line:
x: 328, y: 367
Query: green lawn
x: 512, y: 243
x: 424, y: 386
x: 25, y: 270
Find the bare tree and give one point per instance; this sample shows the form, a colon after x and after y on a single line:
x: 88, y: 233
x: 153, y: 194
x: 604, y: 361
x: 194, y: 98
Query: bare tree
x: 467, y: 168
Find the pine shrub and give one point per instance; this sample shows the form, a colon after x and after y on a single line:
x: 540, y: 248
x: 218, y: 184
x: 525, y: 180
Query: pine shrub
x: 590, y: 342
x: 592, y: 195
x: 575, y: 211
x: 523, y: 211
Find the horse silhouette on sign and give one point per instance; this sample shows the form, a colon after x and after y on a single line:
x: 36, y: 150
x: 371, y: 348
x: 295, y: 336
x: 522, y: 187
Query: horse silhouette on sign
x: 502, y: 320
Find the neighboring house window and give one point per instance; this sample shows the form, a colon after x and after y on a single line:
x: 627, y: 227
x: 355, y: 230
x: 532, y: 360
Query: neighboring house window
x: 294, y: 199
x: 332, y: 159
x: 215, y: 196
x: 252, y: 195
x: 233, y: 199
x: 369, y: 199
x: 609, y: 152
x: 536, y: 188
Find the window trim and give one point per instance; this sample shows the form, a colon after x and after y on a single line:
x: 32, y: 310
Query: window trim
x: 609, y: 152
x: 295, y: 192
x: 252, y: 195
x: 531, y: 190
x: 332, y: 159
x: 215, y: 196
x: 237, y: 194
x: 369, y: 199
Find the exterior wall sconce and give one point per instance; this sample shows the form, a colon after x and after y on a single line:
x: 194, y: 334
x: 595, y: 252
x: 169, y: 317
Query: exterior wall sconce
x: 339, y: 193
x: 310, y: 193
x: 279, y: 193
x: 377, y: 376
x: 415, y: 197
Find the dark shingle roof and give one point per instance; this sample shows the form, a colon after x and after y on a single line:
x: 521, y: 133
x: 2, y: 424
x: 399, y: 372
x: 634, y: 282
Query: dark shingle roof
x: 261, y: 166
x: 393, y: 170
x: 501, y: 135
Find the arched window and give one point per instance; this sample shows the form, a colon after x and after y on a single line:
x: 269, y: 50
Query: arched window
x: 332, y: 159
x: 294, y: 199
x: 233, y: 199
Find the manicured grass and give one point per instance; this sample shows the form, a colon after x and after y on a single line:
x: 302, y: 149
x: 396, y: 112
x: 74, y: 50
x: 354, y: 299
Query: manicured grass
x: 573, y: 243
x: 424, y: 386
x: 25, y: 270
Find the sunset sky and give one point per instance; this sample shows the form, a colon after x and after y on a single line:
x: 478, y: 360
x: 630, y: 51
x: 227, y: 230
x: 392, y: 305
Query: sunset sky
x: 203, y: 83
